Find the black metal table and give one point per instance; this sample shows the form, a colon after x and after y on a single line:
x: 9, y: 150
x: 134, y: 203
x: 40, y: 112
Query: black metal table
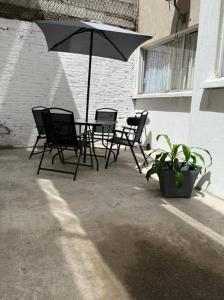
x: 89, y: 125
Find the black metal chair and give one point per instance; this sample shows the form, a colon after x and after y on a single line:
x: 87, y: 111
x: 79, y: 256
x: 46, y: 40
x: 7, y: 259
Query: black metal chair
x: 133, y: 123
x: 125, y: 140
x: 103, y: 133
x: 37, y: 114
x: 61, y: 135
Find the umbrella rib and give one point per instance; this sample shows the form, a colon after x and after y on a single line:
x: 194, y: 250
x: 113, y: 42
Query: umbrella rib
x: 116, y: 48
x: 81, y: 30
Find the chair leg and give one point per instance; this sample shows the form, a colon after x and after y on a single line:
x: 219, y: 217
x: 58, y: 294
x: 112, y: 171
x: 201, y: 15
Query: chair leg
x: 91, y: 155
x: 145, y: 159
x: 108, y: 157
x: 55, y: 155
x: 136, y: 161
x: 94, y: 153
x: 105, y: 156
x: 51, y: 148
x: 59, y: 155
x: 42, y: 157
x: 118, y: 150
x: 62, y: 156
x: 34, y: 147
x: 76, y: 170
x: 90, y: 151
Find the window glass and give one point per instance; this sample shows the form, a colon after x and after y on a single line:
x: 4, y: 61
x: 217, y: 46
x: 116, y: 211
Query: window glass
x: 170, y: 66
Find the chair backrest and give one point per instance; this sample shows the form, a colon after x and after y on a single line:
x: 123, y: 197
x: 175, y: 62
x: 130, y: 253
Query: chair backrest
x: 141, y: 124
x: 133, y: 121
x: 105, y: 114
x: 37, y: 114
x: 59, y: 126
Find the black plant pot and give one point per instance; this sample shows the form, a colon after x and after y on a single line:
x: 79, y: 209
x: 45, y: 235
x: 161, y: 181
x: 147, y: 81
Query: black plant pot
x: 168, y: 186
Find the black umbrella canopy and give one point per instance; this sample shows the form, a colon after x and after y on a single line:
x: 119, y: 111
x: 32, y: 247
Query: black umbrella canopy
x: 74, y: 37
x: 91, y: 38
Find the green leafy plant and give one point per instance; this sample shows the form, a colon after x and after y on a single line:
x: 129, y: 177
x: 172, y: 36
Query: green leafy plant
x: 178, y: 158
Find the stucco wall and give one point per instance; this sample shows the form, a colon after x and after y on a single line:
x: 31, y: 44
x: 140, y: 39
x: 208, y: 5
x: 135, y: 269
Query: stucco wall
x: 156, y: 18
x: 197, y: 120
x: 167, y: 115
x: 207, y: 115
x: 31, y: 76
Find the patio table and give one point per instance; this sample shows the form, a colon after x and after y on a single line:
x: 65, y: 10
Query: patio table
x: 90, y: 124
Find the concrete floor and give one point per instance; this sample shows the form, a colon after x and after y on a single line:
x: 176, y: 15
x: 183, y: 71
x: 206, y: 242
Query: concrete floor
x: 109, y: 235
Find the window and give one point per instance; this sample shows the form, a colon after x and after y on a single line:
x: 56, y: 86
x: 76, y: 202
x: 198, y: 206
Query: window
x: 169, y: 66
x: 219, y: 67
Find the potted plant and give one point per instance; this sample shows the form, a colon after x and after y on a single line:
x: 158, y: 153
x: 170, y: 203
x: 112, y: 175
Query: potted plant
x: 178, y: 168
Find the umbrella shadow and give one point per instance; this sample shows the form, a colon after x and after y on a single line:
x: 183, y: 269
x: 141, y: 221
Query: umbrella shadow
x: 150, y: 268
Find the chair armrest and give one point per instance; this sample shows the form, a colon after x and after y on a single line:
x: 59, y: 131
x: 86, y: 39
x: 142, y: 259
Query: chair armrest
x: 118, y: 131
x: 128, y: 128
x: 122, y: 132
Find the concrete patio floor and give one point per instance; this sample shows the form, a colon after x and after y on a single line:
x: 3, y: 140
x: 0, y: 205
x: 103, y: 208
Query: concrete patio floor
x: 109, y: 235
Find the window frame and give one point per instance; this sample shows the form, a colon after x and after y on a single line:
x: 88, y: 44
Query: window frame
x: 217, y: 78
x: 219, y: 64
x: 138, y: 91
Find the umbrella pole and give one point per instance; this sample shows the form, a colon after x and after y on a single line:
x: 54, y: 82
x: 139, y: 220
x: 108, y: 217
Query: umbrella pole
x: 89, y: 75
x: 88, y: 90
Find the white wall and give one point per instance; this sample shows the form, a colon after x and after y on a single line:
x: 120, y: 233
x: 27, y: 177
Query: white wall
x: 31, y: 76
x: 207, y: 116
x: 167, y: 116
x: 198, y: 121
x: 160, y: 20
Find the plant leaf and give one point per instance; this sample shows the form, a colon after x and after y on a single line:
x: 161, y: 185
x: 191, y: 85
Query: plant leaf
x: 197, y: 167
x: 187, y: 152
x: 194, y: 158
x: 205, y: 150
x: 166, y: 138
x: 151, y: 171
x: 178, y: 179
x: 198, y: 155
x: 176, y: 165
x: 158, y: 156
x: 161, y: 163
x: 175, y: 150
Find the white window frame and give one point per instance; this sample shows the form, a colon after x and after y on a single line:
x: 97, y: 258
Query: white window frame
x: 220, y: 47
x: 137, y: 93
x: 218, y: 80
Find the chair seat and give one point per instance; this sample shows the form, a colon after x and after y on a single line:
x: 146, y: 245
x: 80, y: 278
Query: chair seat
x: 121, y: 141
x: 65, y: 143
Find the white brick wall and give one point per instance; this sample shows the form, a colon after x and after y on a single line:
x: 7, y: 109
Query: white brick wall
x: 31, y: 76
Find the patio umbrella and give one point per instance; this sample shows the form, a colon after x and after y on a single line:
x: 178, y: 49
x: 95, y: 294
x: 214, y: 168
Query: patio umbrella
x: 91, y: 38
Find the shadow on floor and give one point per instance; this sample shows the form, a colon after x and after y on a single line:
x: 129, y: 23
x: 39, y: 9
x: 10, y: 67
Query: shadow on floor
x: 105, y: 236
x: 151, y: 269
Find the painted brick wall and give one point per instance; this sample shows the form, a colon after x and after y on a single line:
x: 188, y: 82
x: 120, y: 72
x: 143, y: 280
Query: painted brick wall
x: 31, y: 76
